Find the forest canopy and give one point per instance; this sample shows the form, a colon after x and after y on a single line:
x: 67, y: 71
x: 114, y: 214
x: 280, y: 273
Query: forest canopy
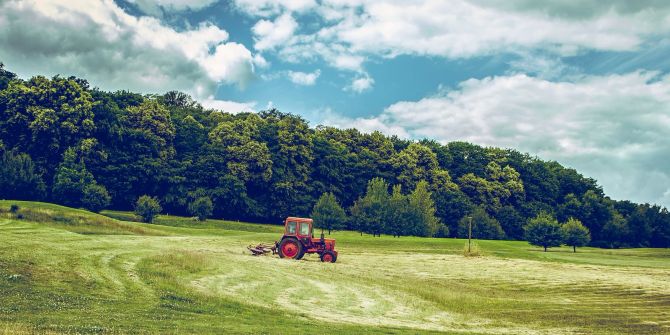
x: 65, y: 142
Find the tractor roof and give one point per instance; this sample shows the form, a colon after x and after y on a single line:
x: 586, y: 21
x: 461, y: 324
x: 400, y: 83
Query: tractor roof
x: 292, y: 218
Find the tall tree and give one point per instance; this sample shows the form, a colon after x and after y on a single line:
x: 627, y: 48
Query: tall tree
x: 5, y: 77
x: 369, y: 213
x: 595, y: 213
x: 613, y: 233
x: 451, y: 203
x: 44, y: 117
x: 420, y: 199
x: 71, y: 179
x: 18, y: 178
x: 290, y: 141
x: 400, y: 215
x: 414, y: 163
x: 511, y: 221
x: 483, y: 226
x: 328, y: 214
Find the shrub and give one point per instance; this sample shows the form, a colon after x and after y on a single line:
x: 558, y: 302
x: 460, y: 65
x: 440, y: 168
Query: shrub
x: 201, y: 207
x: 14, y: 208
x: 472, y: 251
x: 95, y: 198
x: 442, y: 230
x: 147, y: 208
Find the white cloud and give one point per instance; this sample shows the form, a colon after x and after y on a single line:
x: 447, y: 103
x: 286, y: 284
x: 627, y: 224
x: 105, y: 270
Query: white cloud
x: 230, y: 63
x: 361, y: 84
x: 273, y: 7
x: 269, y: 34
x: 327, y: 116
x: 613, y: 128
x: 352, y: 31
x: 458, y: 29
x: 543, y: 66
x: 304, y: 78
x: 98, y: 41
x: 155, y: 7
x: 347, y: 61
x: 260, y: 61
x: 233, y: 107
x: 578, y: 10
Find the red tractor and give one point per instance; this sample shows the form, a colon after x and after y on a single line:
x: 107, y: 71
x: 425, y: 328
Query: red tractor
x: 299, y: 239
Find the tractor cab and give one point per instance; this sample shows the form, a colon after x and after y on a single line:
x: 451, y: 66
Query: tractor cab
x: 299, y: 239
x: 298, y: 227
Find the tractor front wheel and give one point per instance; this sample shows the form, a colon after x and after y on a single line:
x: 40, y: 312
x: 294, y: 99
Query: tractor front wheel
x: 328, y: 257
x: 290, y: 248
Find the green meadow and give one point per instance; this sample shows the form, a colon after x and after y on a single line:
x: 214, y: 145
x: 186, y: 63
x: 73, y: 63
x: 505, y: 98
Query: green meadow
x: 68, y: 271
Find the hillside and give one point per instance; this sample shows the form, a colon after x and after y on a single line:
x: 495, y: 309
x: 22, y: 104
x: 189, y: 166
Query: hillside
x: 65, y: 142
x: 190, y: 277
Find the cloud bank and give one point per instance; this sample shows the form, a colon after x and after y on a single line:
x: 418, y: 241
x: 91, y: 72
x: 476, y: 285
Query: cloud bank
x: 350, y: 32
x: 614, y: 128
x: 99, y: 41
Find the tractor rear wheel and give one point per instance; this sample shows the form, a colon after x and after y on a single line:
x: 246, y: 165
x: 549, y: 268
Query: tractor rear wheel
x: 291, y: 248
x: 328, y: 257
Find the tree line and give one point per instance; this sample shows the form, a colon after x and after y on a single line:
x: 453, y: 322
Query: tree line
x: 65, y: 142
x: 378, y: 212
x: 398, y: 214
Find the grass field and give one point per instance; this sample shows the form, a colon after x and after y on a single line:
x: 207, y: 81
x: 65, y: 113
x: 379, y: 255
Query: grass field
x: 71, y: 271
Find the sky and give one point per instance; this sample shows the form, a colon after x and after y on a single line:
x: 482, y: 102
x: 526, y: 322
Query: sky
x: 585, y: 83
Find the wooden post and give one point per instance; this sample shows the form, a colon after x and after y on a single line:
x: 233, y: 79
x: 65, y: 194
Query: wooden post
x: 469, y: 232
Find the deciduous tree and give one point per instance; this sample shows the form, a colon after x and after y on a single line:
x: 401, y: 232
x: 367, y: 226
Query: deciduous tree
x: 544, y: 231
x: 575, y: 234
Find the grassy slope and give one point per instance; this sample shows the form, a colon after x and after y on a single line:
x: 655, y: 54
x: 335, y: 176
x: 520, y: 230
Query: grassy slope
x: 79, y: 272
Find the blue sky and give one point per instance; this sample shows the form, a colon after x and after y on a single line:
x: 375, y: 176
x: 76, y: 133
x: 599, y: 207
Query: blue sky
x: 582, y: 82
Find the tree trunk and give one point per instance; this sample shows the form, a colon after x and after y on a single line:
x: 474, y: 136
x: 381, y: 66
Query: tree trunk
x: 545, y: 249
x: 328, y: 231
x: 574, y: 248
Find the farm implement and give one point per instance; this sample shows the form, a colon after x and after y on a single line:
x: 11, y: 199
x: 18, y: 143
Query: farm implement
x: 298, y: 240
x: 262, y: 249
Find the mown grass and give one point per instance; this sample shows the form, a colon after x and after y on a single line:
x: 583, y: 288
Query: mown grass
x: 74, y: 220
x: 187, y: 276
x: 211, y: 226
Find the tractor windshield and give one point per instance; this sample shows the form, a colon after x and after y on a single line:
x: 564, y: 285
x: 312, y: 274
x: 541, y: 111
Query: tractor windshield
x: 304, y: 228
x: 291, y: 227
